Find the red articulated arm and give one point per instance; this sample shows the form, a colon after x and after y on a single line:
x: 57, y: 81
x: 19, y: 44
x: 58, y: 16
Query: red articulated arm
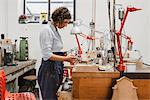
x: 121, y: 66
x: 130, y: 42
x: 86, y: 37
x: 79, y: 47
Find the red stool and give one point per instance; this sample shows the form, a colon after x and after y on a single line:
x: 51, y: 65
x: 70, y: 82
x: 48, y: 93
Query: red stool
x: 5, y: 95
x: 68, y: 72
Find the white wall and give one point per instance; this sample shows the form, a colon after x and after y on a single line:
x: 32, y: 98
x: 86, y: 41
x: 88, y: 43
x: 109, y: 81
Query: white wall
x: 16, y: 30
x: 3, y: 16
x: 137, y: 25
x: 148, y: 36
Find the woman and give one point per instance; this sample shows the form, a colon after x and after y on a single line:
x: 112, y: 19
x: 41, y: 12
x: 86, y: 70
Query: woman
x: 51, y: 70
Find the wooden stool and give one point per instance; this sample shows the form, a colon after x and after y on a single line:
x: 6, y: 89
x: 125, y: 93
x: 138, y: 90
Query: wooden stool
x: 31, y: 79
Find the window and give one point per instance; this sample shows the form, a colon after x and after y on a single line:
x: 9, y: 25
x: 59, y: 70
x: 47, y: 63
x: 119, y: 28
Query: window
x: 39, y: 10
x: 34, y: 8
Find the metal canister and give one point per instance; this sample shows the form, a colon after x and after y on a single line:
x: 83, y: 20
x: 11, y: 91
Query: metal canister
x: 23, y: 52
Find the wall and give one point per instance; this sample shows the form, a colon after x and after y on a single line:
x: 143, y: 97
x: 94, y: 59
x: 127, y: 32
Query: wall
x: 148, y: 36
x: 3, y: 16
x: 136, y: 25
x: 16, y: 30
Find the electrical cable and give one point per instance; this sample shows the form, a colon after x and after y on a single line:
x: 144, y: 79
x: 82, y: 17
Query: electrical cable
x: 146, y: 64
x: 114, y: 37
x: 94, y: 11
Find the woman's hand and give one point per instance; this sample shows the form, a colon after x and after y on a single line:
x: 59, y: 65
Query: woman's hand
x: 71, y: 59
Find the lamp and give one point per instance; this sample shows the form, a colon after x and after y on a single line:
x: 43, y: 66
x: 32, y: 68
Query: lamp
x: 121, y: 66
x: 75, y: 29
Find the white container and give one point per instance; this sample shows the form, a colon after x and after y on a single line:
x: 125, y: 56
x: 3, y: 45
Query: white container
x: 130, y: 67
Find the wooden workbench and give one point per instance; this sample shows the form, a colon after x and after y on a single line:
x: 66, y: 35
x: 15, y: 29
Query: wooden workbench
x: 14, y: 72
x: 91, y: 84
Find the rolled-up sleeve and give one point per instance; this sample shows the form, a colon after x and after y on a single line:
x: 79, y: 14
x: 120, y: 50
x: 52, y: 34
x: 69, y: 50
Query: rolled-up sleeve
x: 46, y: 42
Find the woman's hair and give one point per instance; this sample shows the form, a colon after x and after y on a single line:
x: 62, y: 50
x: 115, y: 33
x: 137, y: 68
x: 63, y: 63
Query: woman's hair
x: 60, y: 14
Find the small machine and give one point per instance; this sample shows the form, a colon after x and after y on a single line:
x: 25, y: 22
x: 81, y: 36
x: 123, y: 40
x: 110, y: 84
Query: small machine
x: 23, y: 49
x: 8, y: 58
x: 6, y: 51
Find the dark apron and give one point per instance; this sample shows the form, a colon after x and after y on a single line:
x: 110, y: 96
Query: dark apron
x: 50, y: 76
